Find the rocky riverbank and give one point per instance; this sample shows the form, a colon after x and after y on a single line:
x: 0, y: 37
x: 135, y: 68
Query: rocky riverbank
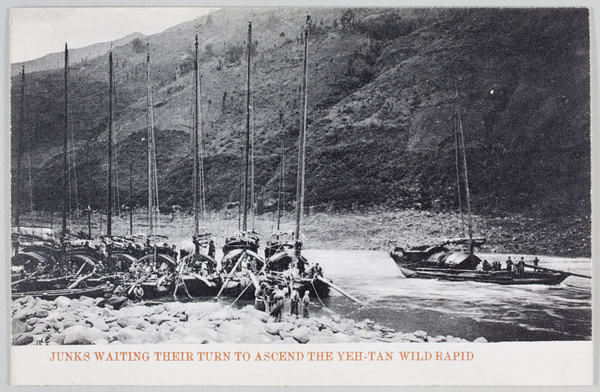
x: 80, y: 321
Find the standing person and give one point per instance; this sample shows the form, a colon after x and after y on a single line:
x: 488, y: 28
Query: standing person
x: 509, y: 264
x: 536, y: 261
x: 301, y: 265
x: 521, y: 266
x: 278, y: 302
x: 486, y: 265
x: 305, y: 305
x: 211, y: 249
x: 294, y: 302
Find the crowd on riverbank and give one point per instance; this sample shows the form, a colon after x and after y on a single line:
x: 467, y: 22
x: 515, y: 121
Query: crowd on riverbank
x: 81, y: 321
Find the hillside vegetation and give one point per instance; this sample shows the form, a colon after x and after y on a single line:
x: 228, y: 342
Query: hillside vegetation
x: 385, y: 87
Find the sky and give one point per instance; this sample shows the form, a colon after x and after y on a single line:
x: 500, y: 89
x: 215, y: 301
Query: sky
x: 36, y: 32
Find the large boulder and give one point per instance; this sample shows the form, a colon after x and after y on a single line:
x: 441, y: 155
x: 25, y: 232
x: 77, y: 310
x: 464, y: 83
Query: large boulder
x: 340, y: 338
x: 41, y: 313
x: 124, y: 321
x: 98, y: 323
x: 159, y: 318
x: 24, y: 300
x: 23, y: 339
x: 301, y: 335
x: 80, y: 334
x: 233, y: 332
x: 70, y: 322
x: 142, y: 324
x: 159, y: 309
x: 273, y: 328
x: 19, y: 327
x: 132, y: 336
x: 420, y: 334
x: 23, y: 314
x: 156, y: 337
x: 58, y: 338
x: 62, y: 302
x: 287, y: 327
x: 40, y: 328
x: 32, y: 321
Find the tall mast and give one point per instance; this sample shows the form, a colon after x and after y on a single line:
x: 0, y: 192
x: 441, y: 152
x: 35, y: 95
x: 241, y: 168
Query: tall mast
x: 149, y: 151
x: 467, y: 194
x: 302, y: 137
x: 458, y: 186
x: 281, y: 183
x: 247, y: 149
x: 110, y: 118
x: 19, y: 149
x: 65, y: 138
x: 130, y: 198
x: 196, y: 143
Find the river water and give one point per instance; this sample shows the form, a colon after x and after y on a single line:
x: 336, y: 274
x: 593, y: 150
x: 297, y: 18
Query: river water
x: 461, y: 309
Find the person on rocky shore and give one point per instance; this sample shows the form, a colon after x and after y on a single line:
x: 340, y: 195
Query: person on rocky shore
x: 509, y: 264
x: 294, y: 302
x: 306, y: 305
x: 278, y: 304
x: 261, y: 297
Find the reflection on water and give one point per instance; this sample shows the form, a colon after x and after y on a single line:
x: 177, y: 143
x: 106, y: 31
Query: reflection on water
x: 463, y: 309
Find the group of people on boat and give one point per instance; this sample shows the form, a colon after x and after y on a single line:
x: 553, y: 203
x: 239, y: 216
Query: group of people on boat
x: 518, y: 267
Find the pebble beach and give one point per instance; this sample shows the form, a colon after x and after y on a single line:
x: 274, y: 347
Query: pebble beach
x: 65, y: 321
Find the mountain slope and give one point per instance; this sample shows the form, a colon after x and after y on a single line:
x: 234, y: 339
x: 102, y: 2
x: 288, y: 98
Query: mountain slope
x: 385, y: 86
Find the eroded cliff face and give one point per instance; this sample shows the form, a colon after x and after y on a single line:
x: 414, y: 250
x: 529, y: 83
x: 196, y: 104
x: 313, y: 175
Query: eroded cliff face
x: 385, y: 87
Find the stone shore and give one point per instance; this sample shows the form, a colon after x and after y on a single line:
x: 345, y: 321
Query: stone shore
x: 79, y: 321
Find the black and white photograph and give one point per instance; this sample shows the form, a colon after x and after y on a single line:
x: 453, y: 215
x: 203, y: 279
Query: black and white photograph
x: 288, y: 177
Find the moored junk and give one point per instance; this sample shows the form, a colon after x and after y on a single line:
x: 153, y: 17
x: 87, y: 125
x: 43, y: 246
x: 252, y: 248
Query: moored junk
x: 45, y: 262
x: 278, y: 242
x: 240, y: 265
x: 196, y: 270
x: 154, y: 274
x: 241, y: 262
x: 285, y: 265
x: 440, y: 261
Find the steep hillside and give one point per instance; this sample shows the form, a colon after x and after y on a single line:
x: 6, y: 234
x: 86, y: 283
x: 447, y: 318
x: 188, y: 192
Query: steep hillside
x: 54, y: 61
x: 385, y: 86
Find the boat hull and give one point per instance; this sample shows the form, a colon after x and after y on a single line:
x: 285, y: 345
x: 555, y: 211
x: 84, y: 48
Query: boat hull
x: 495, y: 277
x: 198, y: 286
x: 239, y: 286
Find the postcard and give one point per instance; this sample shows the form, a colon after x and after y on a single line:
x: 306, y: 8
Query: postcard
x: 300, y: 196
